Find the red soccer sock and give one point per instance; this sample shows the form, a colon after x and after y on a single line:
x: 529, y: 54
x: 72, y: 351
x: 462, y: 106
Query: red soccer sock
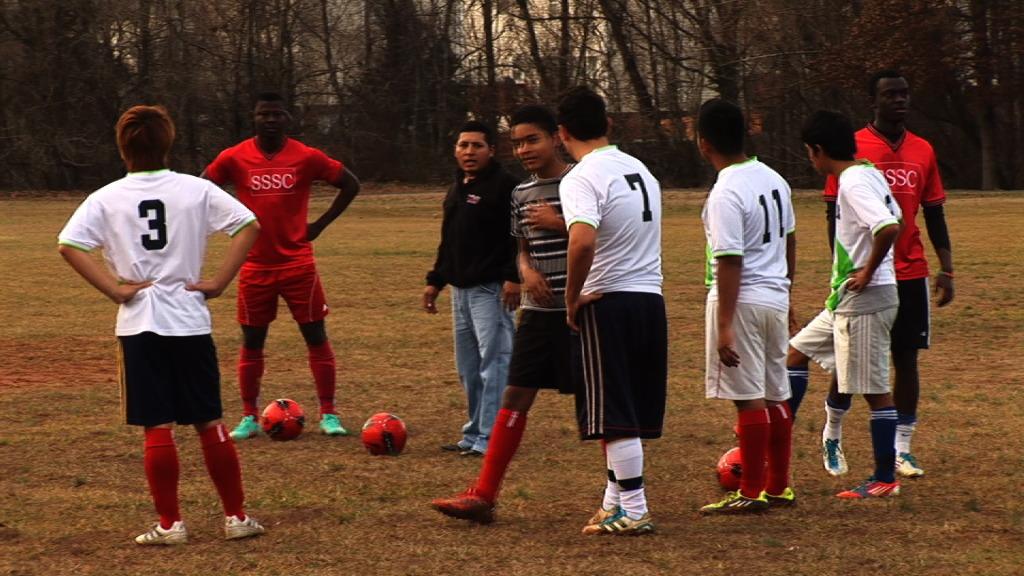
x: 250, y: 371
x: 505, y: 436
x: 321, y: 363
x: 754, y: 437
x: 160, y: 460
x: 779, y: 447
x: 224, y: 469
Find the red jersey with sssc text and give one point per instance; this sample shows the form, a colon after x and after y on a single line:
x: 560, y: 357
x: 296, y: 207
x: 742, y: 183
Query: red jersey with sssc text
x: 276, y: 188
x: 912, y: 173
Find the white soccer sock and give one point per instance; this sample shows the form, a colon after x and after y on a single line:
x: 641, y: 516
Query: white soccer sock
x: 833, y: 423
x: 634, y: 503
x: 611, y: 496
x: 626, y: 459
x: 904, y: 433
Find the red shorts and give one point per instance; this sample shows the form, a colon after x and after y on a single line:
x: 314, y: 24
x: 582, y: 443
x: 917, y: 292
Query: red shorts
x: 299, y: 286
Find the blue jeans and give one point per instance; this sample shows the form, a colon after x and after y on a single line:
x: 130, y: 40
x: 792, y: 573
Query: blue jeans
x: 483, y: 348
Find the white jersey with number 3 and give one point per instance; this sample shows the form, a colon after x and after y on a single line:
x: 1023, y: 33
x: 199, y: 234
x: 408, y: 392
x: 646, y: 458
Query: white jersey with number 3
x: 749, y: 213
x: 616, y: 194
x: 153, y: 226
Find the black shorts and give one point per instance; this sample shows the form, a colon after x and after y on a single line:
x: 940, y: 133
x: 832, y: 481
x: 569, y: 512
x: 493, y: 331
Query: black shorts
x: 620, y: 366
x: 912, y: 328
x: 540, y: 352
x: 169, y: 379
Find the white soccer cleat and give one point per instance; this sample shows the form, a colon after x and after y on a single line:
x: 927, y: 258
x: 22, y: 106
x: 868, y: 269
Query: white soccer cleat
x: 907, y: 466
x: 157, y: 536
x: 235, y: 528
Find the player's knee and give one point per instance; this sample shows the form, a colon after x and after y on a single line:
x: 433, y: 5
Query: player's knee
x: 905, y: 360
x: 253, y: 337
x: 203, y: 426
x: 796, y: 359
x: 315, y: 333
x: 518, y: 398
x: 879, y: 401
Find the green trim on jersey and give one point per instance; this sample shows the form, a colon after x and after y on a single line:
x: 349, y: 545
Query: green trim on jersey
x: 608, y: 147
x: 884, y: 224
x: 842, y: 268
x: 738, y: 164
x: 727, y: 253
x: 709, y: 275
x: 242, y: 227
x: 582, y: 220
x: 149, y: 172
x: 74, y: 245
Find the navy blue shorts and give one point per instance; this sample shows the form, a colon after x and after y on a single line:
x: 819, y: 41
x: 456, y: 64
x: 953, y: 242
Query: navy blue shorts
x: 620, y: 366
x: 169, y: 379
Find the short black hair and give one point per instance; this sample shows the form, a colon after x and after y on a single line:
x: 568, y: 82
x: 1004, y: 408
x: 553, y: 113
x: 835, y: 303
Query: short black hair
x: 583, y: 113
x: 269, y: 96
x: 833, y: 132
x: 721, y: 124
x: 881, y: 74
x: 540, y: 116
x: 477, y: 126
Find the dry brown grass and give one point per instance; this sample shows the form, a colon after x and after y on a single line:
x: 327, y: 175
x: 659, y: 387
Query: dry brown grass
x: 72, y: 491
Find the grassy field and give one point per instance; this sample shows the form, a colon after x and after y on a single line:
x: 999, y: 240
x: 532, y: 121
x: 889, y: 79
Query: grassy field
x: 72, y: 490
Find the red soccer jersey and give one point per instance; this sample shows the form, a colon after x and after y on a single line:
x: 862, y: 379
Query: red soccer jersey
x: 276, y: 189
x: 913, y: 175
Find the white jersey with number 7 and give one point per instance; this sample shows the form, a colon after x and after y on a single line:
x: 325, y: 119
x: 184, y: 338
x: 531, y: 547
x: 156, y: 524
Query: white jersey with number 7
x: 616, y: 194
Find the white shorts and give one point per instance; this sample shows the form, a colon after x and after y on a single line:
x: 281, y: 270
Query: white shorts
x: 761, y: 341
x: 854, y: 347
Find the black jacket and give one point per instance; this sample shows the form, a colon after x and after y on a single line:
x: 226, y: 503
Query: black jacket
x: 476, y: 242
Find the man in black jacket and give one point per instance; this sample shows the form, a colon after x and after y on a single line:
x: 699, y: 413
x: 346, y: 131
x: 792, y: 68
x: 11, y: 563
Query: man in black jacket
x: 477, y: 256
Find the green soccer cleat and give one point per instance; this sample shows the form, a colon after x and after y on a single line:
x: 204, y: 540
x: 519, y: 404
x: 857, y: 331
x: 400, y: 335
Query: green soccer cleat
x: 787, y: 498
x: 833, y: 458
x: 249, y: 427
x: 907, y: 466
x: 330, y: 425
x: 736, y: 503
x: 157, y: 536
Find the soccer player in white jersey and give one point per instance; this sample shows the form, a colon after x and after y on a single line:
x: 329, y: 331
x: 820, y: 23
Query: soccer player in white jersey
x: 851, y: 336
x: 612, y: 207
x: 751, y: 248
x: 152, y: 226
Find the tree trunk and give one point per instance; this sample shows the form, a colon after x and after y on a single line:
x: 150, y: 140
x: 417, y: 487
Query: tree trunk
x: 538, y: 60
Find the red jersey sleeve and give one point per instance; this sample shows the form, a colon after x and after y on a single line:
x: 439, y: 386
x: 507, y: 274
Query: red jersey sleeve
x: 324, y: 167
x: 219, y: 171
x: 831, y: 189
x: 933, y: 194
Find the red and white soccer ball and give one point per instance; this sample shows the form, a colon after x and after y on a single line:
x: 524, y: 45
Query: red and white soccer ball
x: 283, y: 419
x: 730, y: 469
x: 384, y: 434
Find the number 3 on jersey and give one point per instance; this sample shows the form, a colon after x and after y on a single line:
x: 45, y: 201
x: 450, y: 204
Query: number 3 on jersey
x: 634, y: 180
x: 153, y: 212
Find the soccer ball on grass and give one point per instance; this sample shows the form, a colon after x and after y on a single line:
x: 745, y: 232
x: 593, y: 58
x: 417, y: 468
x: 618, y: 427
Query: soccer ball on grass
x: 283, y: 419
x: 384, y: 434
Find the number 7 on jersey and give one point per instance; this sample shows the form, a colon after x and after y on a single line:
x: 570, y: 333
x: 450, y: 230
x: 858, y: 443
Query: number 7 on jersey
x: 634, y: 180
